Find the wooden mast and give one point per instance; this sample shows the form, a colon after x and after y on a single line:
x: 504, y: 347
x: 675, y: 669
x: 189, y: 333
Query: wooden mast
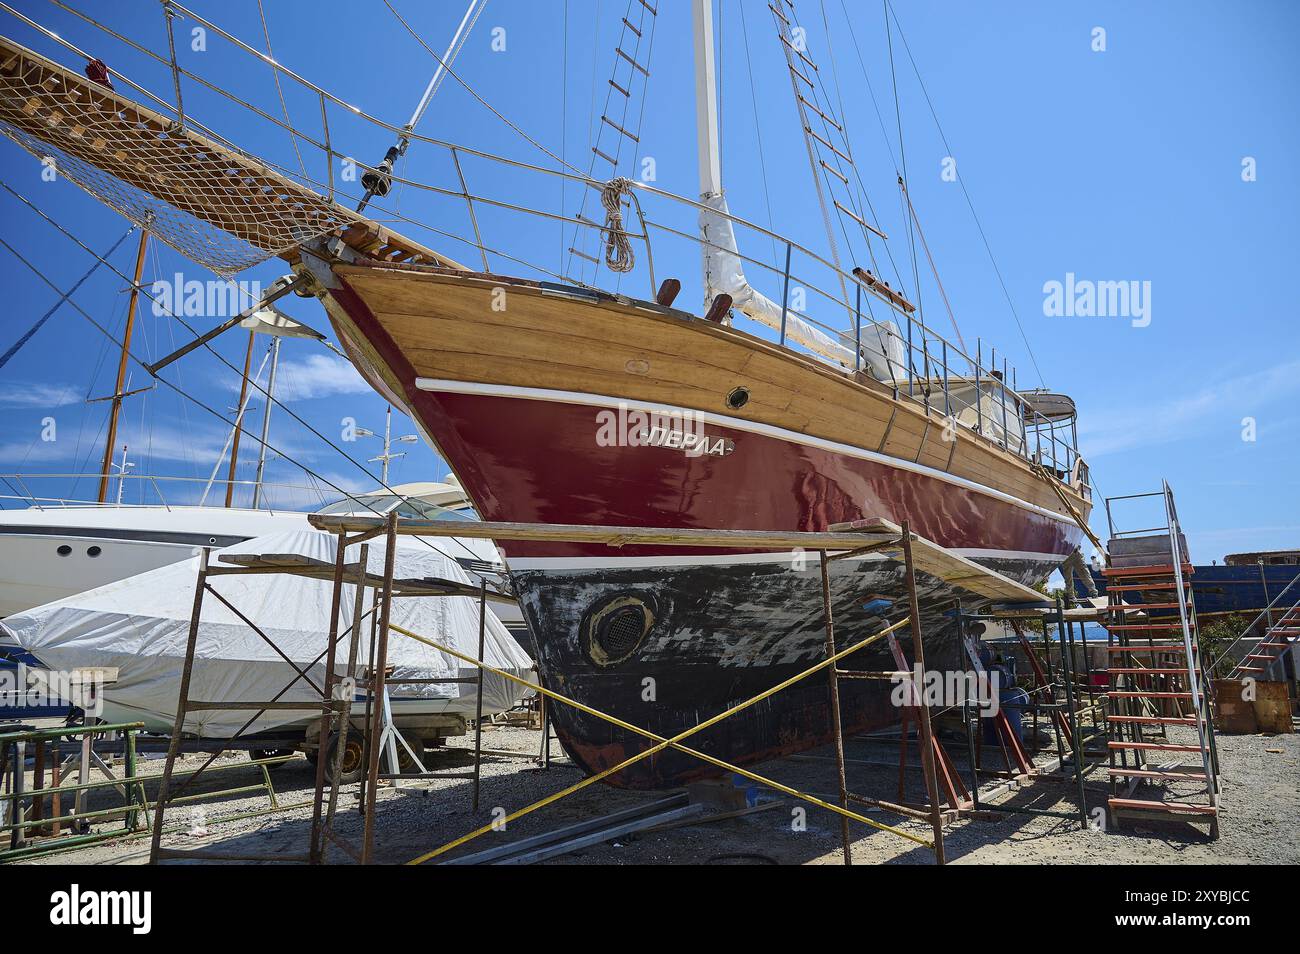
x: 107, y: 470
x: 239, y: 420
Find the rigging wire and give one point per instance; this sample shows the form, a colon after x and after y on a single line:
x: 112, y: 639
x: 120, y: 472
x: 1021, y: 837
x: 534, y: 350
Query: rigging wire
x: 220, y: 357
x: 884, y: 132
x: 284, y: 108
x: 902, y: 179
x: 970, y: 204
x: 861, y: 192
x: 842, y: 115
x: 595, y: 128
x: 182, y: 392
x: 473, y: 92
x: 564, y: 123
x: 758, y: 132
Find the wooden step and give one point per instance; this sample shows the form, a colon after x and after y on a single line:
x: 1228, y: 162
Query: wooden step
x: 1172, y: 808
x: 1154, y: 746
x: 1160, y: 569
x: 1136, y: 587
x: 1151, y: 720
x: 1151, y: 773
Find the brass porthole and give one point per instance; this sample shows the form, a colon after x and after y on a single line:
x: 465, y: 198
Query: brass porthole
x: 738, y: 398
x: 616, y: 630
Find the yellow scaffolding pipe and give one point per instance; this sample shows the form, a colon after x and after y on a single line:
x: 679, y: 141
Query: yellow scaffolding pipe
x: 662, y: 743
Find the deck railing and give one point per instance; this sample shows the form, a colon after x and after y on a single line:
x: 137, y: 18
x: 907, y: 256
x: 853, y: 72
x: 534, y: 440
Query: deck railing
x: 148, y: 490
x: 812, y: 286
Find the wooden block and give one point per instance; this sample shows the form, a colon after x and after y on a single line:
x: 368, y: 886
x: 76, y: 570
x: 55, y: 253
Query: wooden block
x: 1272, y: 707
x: 1233, y: 715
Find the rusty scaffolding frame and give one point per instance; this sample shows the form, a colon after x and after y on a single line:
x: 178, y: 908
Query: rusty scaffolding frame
x: 336, y: 694
x: 842, y: 541
x: 839, y: 542
x: 1064, y: 692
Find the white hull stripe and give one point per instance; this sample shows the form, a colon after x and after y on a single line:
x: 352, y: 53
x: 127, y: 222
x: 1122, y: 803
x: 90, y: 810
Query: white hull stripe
x: 810, y: 557
x: 755, y: 427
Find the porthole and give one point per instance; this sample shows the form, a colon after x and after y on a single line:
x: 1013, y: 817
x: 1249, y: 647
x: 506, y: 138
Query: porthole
x: 93, y: 551
x: 64, y: 550
x: 616, y: 630
x: 738, y: 398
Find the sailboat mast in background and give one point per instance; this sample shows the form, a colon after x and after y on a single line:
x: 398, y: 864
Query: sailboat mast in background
x: 116, y: 399
x: 243, y: 398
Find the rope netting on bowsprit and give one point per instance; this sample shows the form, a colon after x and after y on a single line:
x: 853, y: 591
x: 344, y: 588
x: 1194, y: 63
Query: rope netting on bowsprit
x: 215, y: 206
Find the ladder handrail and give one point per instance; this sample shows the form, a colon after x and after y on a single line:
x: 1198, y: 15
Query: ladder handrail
x: 1262, y: 614
x: 1192, y: 660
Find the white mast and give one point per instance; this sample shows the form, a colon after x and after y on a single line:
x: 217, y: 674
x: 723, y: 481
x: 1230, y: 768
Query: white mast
x: 706, y: 101
x: 724, y: 272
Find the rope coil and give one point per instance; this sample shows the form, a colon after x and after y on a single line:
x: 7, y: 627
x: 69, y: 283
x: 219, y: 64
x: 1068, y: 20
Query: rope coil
x: 618, y: 250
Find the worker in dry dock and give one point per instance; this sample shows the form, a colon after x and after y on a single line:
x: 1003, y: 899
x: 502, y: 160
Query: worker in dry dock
x: 1011, y: 698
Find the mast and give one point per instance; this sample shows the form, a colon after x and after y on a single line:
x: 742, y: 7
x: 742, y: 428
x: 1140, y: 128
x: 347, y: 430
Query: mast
x: 243, y: 396
x: 266, y: 422
x: 706, y: 101
x: 724, y: 271
x: 107, y: 469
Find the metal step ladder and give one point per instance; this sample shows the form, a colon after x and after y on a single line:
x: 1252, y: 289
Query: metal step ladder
x: 1280, y: 636
x: 1156, y: 676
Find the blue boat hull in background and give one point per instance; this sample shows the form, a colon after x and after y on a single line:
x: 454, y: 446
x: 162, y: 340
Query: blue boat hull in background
x: 12, y: 707
x: 1221, y: 590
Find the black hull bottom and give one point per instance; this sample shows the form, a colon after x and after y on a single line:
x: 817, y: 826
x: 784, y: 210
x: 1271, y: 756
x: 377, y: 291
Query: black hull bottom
x: 667, y: 647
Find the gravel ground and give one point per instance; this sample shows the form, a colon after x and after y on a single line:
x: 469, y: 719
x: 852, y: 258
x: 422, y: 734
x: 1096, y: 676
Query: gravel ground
x: 1260, y: 821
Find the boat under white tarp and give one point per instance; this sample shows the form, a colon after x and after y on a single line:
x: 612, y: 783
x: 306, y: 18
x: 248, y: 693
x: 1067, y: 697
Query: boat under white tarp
x: 140, y: 625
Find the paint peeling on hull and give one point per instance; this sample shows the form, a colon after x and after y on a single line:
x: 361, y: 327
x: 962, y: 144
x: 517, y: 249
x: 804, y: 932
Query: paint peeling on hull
x: 723, y: 634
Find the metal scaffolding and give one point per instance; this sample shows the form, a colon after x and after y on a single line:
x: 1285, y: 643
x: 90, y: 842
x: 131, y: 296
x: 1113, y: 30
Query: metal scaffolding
x: 841, y: 542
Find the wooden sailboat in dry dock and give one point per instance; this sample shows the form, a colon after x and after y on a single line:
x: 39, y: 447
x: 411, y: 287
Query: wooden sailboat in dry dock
x: 559, y: 402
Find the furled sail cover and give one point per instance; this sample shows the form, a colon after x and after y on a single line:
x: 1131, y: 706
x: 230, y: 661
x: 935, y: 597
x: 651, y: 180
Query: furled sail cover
x: 724, y: 273
x: 140, y: 625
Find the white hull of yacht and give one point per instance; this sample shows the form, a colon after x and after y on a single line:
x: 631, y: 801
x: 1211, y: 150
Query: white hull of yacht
x: 137, y: 629
x: 51, y: 553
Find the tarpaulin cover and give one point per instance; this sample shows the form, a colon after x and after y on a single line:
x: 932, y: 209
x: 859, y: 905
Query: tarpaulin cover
x: 140, y: 625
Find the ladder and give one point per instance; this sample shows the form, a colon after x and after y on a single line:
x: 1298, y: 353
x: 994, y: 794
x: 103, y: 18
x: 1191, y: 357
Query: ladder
x: 1156, y: 677
x: 1277, y: 639
x: 324, y: 702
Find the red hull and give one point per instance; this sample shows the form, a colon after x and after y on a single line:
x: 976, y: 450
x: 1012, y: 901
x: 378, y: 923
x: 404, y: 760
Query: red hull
x: 722, y: 625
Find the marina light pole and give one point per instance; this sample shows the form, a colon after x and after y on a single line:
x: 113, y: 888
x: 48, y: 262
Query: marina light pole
x: 122, y: 468
x: 266, y: 422
x: 387, y: 456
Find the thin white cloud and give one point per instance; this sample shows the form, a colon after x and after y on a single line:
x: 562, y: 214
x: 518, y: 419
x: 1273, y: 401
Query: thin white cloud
x: 1162, y: 421
x: 318, y: 376
x: 24, y: 394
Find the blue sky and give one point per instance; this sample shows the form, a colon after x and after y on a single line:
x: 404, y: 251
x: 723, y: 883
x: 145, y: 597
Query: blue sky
x: 1124, y: 164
